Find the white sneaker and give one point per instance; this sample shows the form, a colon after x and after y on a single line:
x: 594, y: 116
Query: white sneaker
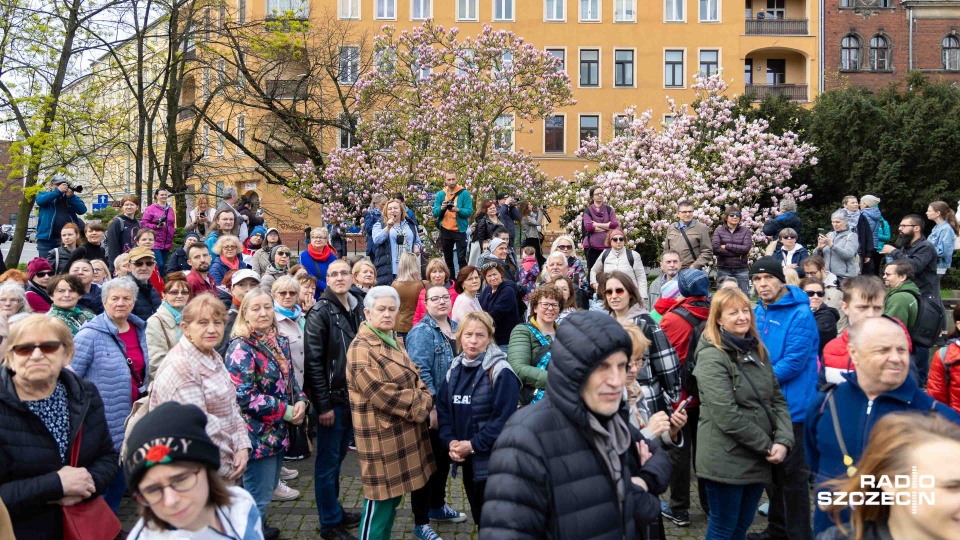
x: 285, y: 493
x: 288, y: 474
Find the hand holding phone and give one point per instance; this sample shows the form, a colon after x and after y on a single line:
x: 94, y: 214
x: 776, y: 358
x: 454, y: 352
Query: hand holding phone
x: 683, y: 405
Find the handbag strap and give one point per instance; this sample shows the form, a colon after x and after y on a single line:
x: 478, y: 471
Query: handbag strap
x: 133, y: 372
x: 687, y: 240
x: 847, y: 460
x: 75, y: 451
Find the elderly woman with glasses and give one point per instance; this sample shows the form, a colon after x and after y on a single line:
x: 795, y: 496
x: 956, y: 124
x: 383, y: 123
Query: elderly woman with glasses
x: 390, y: 407
x: 278, y: 265
x: 112, y: 354
x: 13, y: 299
x: 90, y: 300
x: 499, y: 300
x: 290, y: 319
x: 66, y: 290
x: 227, y: 250
x: 317, y: 257
x: 732, y: 243
x: 163, y: 327
x: 618, y: 256
x: 572, y: 266
x: 42, y: 408
x: 527, y: 341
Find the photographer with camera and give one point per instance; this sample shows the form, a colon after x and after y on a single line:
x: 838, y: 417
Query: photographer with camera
x: 160, y: 217
x: 452, y: 207
x: 58, y: 206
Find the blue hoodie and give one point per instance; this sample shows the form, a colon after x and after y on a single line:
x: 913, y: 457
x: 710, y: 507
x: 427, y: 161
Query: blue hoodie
x: 857, y: 416
x: 874, y: 217
x: 789, y: 331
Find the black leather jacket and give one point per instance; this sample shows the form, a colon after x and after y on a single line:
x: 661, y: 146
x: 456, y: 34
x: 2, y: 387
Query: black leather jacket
x: 329, y: 330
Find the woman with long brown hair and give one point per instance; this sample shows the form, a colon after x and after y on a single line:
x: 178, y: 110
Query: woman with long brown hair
x: 902, y: 445
x: 944, y: 234
x: 487, y: 221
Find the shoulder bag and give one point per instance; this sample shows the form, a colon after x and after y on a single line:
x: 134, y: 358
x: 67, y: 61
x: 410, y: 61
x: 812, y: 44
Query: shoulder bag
x: 91, y: 519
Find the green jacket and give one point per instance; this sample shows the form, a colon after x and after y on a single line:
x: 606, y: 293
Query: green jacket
x: 901, y: 304
x: 734, y: 434
x: 522, y: 354
x: 464, y: 208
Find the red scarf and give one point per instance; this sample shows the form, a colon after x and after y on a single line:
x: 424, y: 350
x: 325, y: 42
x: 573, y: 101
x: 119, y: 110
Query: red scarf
x: 232, y: 266
x: 320, y: 256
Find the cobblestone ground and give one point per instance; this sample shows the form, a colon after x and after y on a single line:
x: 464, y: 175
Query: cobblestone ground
x: 298, y: 519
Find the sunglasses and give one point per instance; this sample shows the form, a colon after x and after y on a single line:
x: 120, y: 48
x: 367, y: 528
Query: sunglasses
x: 811, y: 294
x: 44, y: 274
x: 788, y: 237
x: 617, y: 239
x: 287, y: 293
x: 564, y: 248
x: 283, y: 254
x: 141, y: 262
x: 734, y: 215
x: 616, y: 291
x: 46, y: 347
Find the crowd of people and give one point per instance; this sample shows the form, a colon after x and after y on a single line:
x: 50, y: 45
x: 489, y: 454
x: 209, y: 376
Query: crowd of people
x: 569, y: 393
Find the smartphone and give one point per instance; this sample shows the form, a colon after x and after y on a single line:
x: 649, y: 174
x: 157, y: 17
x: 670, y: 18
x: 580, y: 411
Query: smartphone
x: 821, y: 231
x: 683, y: 405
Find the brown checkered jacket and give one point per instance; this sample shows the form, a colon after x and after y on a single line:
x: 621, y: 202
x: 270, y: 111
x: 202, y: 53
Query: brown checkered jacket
x: 390, y: 406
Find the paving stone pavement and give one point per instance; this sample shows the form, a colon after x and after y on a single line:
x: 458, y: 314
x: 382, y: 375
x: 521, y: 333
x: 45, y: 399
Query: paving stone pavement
x: 298, y: 519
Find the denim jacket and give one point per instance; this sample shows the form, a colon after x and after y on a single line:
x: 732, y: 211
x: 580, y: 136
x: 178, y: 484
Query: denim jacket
x: 430, y: 349
x: 942, y: 237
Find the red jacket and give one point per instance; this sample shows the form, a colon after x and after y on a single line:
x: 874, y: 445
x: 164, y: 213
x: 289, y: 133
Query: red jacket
x: 836, y: 358
x: 678, y: 330
x: 199, y: 285
x: 937, y: 385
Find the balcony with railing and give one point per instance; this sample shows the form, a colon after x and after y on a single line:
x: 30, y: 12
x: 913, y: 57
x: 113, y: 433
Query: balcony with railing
x: 776, y: 27
x: 793, y: 92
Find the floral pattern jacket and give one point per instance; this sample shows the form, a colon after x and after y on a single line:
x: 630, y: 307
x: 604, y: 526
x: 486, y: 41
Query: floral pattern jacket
x: 265, y: 388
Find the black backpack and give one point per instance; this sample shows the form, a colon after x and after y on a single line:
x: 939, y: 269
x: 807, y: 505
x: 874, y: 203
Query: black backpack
x: 606, y: 252
x: 926, y: 329
x: 687, y: 380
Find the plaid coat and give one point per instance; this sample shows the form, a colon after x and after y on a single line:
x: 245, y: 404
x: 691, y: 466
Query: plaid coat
x: 390, y: 405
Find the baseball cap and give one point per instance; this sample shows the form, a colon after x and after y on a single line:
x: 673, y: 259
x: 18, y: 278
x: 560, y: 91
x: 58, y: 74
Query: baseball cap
x: 138, y: 253
x: 241, y: 275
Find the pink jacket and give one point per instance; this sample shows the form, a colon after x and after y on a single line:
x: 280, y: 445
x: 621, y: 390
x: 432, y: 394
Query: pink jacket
x: 151, y: 219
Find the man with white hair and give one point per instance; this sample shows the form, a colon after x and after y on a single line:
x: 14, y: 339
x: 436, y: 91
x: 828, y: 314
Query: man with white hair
x: 230, y: 199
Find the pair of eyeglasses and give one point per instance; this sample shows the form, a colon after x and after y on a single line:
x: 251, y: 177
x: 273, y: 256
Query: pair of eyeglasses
x: 337, y: 274
x: 283, y: 254
x: 319, y: 237
x: 444, y: 298
x: 811, y: 294
x: 179, y: 292
x: 488, y: 266
x: 44, y: 274
x: 618, y: 239
x: 26, y: 349
x: 734, y: 215
x: 180, y: 483
x: 97, y: 270
x: 141, y: 262
x: 788, y: 237
x: 615, y: 291
x: 549, y: 305
x: 287, y: 293
x: 230, y: 246
x: 564, y: 248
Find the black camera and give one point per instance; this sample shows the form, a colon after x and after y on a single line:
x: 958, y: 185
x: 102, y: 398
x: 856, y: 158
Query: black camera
x: 400, y: 239
x: 76, y: 189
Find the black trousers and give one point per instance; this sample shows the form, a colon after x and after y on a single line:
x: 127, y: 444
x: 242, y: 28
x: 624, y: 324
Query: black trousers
x: 682, y: 459
x: 449, y: 239
x: 433, y: 493
x: 592, y: 256
x: 790, y: 503
x: 473, y: 489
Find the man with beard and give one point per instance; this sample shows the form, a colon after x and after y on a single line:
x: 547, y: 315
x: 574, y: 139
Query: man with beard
x: 912, y: 246
x: 198, y: 257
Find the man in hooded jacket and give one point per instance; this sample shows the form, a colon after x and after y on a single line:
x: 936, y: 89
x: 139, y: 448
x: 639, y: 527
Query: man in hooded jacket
x: 570, y: 466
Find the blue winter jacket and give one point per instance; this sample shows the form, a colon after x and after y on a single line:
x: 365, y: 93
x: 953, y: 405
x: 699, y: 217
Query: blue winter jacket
x: 430, y: 349
x: 98, y: 360
x: 47, y: 204
x: 874, y: 217
x: 942, y: 237
x: 369, y: 219
x: 218, y: 268
x: 789, y: 331
x: 857, y: 417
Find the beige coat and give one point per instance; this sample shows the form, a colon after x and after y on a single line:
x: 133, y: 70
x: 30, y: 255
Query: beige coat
x: 291, y: 329
x: 700, y: 240
x: 161, y: 337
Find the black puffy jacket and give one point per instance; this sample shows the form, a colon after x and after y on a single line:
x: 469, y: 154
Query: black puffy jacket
x: 546, y: 478
x: 30, y: 459
x: 148, y: 299
x: 327, y: 334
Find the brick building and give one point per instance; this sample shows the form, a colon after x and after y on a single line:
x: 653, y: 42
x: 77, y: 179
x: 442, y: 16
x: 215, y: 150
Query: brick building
x: 870, y: 42
x: 10, y: 194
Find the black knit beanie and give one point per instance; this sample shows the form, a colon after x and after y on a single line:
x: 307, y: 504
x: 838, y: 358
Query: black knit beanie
x: 768, y: 265
x: 169, y: 433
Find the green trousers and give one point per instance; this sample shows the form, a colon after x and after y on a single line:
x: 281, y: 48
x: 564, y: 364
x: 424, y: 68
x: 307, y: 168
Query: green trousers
x: 376, y: 523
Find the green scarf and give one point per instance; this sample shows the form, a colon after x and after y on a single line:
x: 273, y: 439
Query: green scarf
x: 387, y: 338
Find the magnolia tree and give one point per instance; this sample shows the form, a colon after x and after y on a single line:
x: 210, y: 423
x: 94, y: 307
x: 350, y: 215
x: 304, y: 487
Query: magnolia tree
x: 443, y: 103
x: 706, y: 156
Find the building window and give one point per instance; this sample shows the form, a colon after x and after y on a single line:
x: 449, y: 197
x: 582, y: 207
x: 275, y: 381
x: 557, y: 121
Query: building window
x: 673, y: 10
x: 590, y: 10
x: 221, y: 146
x: 242, y: 130
x: 205, y: 141
x: 590, y: 67
x: 349, y: 9
x: 621, y: 124
x: 668, y: 119
x: 624, y: 10
x: 709, y: 10
x: 221, y: 75
x: 748, y: 71
x: 386, y: 61
x: 554, y: 10
x: 466, y: 62
x: 386, y: 9
x: 850, y: 53
x: 503, y: 134
x: 300, y: 8
x: 503, y: 10
x: 589, y: 128
x: 349, y: 65
x: 242, y: 11
x: 207, y: 83
x: 951, y: 53
x: 560, y: 54
x: 623, y: 68
x: 348, y: 128
x: 420, y: 10
x: 673, y: 69
x: 553, y: 134
x: 467, y: 10
x: 879, y: 53
x: 709, y: 63
x: 776, y: 9
x: 223, y: 15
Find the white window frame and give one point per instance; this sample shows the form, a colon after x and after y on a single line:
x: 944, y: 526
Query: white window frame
x: 352, y: 11
x: 382, y: 10
x: 462, y: 63
x: 580, y: 117
x: 630, y: 5
x: 668, y: 119
x: 206, y: 141
x: 564, y: 50
x: 701, y: 17
x: 425, y: 7
x: 221, y: 141
x: 503, y: 4
x: 564, y: 138
x: 633, y: 76
x: 502, y: 136
x: 628, y: 120
x: 597, y: 16
x: 466, y: 16
x: 683, y: 67
x: 242, y: 129
x: 667, y: 11
x: 599, y: 51
x: 351, y: 138
x: 356, y: 65
x: 549, y: 16
x: 719, y: 52
x: 301, y: 11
